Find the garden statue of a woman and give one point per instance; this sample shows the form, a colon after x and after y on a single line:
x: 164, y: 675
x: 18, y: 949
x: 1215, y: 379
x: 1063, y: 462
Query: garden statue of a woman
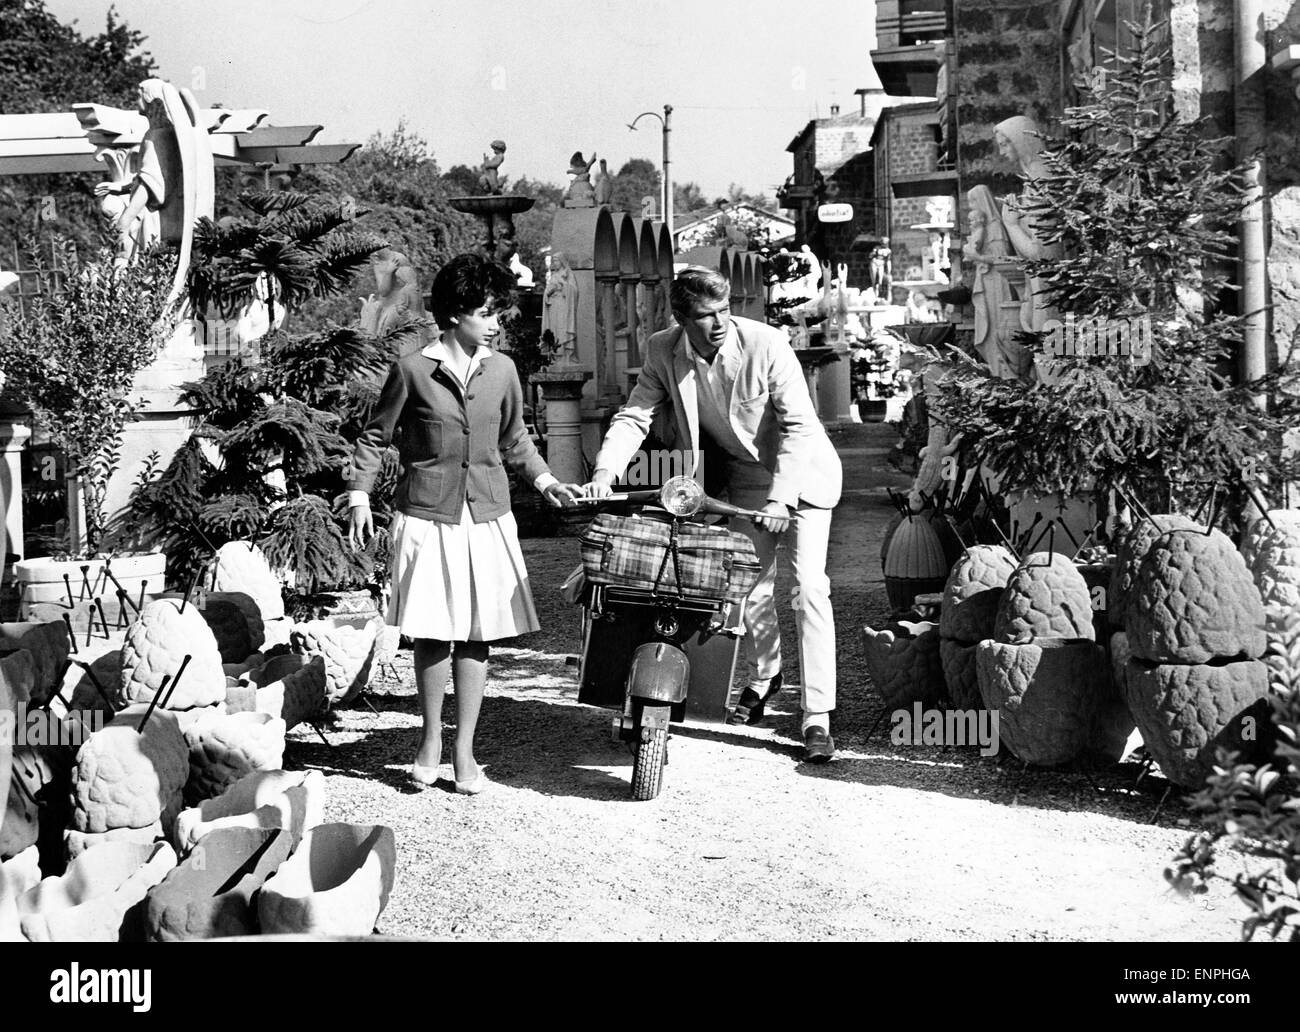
x: 1018, y: 140
x: 560, y: 310
x: 397, y: 299
x: 987, y: 245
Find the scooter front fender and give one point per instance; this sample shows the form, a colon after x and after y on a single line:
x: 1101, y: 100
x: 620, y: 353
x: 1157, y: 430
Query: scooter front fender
x: 660, y: 672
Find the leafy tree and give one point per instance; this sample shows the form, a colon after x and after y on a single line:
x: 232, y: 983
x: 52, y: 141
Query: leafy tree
x: 1143, y: 205
x: 283, y: 426
x: 72, y: 356
x: 46, y: 66
x: 637, y: 178
x: 688, y: 197
x: 737, y: 194
x: 396, y: 179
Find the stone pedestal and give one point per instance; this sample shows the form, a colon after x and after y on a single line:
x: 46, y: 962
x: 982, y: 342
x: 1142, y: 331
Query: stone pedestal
x: 13, y: 439
x: 834, y: 387
x: 165, y: 422
x: 562, y: 390
x: 813, y: 361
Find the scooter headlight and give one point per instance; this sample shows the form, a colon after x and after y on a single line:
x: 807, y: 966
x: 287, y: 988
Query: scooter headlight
x: 681, y: 496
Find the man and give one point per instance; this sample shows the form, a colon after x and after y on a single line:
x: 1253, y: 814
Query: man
x: 734, y: 387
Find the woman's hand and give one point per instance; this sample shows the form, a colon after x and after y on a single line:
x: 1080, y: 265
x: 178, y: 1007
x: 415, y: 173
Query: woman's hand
x: 562, y: 495
x: 775, y: 518
x: 600, y: 486
x: 361, y: 526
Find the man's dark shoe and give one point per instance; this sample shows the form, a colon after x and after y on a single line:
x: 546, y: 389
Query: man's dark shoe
x: 751, y: 706
x: 818, y: 745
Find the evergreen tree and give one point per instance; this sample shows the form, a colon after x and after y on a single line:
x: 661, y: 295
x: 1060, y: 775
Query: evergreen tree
x: 1144, y: 205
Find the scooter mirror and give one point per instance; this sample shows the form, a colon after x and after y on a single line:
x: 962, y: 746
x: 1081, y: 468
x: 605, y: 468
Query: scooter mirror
x: 682, y: 496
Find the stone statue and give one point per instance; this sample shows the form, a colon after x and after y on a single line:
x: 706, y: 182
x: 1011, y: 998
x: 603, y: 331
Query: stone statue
x: 604, y: 187
x: 397, y: 299
x: 988, y: 247
x: 489, y: 180
x: 560, y: 309
x: 878, y: 272
x: 1018, y: 140
x: 171, y: 175
x: 580, y: 193
x: 523, y: 274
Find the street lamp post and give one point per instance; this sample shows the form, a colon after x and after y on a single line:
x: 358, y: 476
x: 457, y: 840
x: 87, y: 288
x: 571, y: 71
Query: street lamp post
x: 666, y: 121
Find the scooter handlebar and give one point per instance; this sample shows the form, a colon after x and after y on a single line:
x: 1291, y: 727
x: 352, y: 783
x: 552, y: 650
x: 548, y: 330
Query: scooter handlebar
x: 709, y: 505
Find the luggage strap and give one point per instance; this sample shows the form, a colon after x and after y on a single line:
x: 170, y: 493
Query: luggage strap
x: 670, y: 551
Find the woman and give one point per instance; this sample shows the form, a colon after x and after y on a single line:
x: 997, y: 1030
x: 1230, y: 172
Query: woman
x: 458, y: 575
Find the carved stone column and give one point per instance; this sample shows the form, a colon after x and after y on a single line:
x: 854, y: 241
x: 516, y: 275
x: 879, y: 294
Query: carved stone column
x: 562, y: 390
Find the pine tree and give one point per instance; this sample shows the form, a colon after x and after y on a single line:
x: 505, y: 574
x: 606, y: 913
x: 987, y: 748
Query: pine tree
x: 1144, y: 205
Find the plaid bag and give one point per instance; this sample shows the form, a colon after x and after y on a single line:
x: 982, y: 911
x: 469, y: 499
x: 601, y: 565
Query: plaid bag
x: 638, y: 552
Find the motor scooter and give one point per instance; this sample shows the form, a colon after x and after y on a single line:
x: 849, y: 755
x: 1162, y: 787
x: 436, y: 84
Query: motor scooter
x: 663, y: 610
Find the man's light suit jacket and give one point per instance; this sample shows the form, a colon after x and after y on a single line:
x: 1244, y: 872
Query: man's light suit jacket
x: 769, y: 409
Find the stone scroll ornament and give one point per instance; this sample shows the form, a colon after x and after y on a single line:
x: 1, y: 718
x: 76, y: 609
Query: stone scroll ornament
x: 170, y: 177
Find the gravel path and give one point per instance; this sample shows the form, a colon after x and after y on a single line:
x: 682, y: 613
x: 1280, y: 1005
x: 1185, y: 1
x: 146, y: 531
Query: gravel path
x: 889, y: 842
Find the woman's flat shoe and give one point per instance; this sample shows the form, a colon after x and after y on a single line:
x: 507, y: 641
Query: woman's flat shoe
x: 473, y: 787
x: 423, y: 775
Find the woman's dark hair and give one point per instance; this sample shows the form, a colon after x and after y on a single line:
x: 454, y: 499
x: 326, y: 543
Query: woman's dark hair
x: 465, y: 283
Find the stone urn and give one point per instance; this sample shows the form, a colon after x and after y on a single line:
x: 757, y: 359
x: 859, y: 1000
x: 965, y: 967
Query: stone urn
x: 223, y: 747
x: 292, y: 800
x: 210, y: 893
x: 1044, y: 671
x: 48, y: 588
x: 967, y: 614
x: 348, y: 645
x: 903, y: 661
x: 289, y: 687
x: 336, y: 883
x: 99, y: 897
x: 1195, y: 627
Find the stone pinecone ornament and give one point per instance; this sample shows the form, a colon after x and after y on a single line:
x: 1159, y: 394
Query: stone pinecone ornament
x: 164, y: 633
x: 124, y: 778
x: 1194, y: 681
x: 970, y: 603
x: 242, y: 567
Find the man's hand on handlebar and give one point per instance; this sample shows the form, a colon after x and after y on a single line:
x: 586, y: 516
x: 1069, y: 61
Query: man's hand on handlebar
x: 775, y: 517
x: 562, y: 496
x: 601, y: 485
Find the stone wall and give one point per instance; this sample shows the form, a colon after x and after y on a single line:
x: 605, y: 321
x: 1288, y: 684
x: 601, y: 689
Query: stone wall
x: 1008, y: 63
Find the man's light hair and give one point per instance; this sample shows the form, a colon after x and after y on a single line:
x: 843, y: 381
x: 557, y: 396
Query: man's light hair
x: 696, y: 283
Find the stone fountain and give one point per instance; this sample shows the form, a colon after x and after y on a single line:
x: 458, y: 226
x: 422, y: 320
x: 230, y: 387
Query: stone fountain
x: 494, y: 208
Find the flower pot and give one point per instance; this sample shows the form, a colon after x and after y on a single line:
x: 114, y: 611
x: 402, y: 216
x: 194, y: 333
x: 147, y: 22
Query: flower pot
x: 347, y: 644
x: 210, y: 893
x: 44, y: 595
x: 98, y: 899
x: 292, y: 800
x: 289, y: 687
x: 49, y: 646
x: 903, y: 661
x: 224, y: 747
x: 337, y: 883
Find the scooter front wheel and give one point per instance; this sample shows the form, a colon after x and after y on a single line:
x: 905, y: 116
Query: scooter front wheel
x: 648, y: 765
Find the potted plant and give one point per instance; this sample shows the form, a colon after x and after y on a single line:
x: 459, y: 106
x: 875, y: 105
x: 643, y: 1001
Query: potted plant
x: 273, y: 434
x: 1135, y: 209
x: 71, y: 355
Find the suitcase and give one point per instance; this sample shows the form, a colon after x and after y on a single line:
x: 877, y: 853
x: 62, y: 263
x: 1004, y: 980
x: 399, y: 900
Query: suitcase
x: 692, y: 560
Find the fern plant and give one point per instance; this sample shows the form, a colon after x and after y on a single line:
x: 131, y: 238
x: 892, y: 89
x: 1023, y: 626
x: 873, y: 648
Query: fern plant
x: 272, y: 436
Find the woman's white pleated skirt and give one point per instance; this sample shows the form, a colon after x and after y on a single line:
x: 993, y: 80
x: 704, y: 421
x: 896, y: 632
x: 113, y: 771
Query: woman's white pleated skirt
x: 461, y: 581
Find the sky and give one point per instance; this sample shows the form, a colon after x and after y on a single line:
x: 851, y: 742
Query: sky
x: 549, y: 77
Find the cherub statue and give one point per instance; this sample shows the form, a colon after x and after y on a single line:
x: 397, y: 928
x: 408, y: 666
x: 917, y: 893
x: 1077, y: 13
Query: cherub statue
x: 489, y: 180
x: 580, y: 193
